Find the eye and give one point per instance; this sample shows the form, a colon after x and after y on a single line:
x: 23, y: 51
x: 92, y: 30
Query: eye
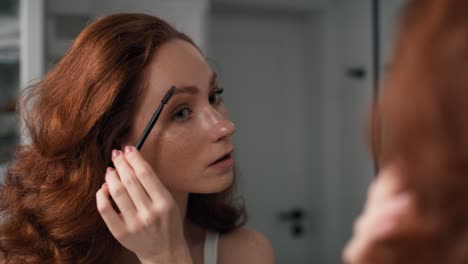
x: 216, y: 97
x: 182, y: 114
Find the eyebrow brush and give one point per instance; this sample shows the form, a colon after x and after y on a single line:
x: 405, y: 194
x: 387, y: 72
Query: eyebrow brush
x: 154, y: 118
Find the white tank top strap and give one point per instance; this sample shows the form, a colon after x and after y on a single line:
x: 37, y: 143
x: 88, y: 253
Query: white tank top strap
x: 210, y: 250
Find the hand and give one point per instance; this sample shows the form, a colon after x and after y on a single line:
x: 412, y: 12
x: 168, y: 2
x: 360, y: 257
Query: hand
x: 149, y: 223
x: 387, y: 204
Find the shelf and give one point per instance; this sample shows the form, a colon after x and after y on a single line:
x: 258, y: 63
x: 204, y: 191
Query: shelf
x: 8, y: 125
x: 9, y: 25
x: 9, y: 40
x: 7, y: 145
x: 10, y: 55
x: 9, y: 7
x: 9, y: 78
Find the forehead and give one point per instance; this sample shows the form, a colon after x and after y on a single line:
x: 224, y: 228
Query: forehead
x: 178, y: 63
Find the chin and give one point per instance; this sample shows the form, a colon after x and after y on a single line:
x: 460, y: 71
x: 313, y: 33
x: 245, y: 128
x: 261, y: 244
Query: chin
x: 215, y: 184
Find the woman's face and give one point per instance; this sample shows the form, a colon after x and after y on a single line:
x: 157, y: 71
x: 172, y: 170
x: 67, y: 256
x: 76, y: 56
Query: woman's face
x: 190, y: 146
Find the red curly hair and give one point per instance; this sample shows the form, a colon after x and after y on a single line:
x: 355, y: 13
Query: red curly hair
x: 75, y: 116
x: 420, y: 123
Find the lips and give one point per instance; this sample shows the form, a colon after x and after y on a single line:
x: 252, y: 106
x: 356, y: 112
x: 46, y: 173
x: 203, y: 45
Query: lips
x: 223, y: 157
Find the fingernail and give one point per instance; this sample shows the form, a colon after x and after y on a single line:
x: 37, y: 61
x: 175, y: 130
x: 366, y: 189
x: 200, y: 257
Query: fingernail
x: 115, y: 153
x: 128, y: 149
x: 110, y: 169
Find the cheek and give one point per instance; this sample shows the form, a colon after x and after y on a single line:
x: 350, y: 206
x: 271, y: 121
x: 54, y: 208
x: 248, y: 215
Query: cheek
x: 176, y: 156
x: 177, y: 140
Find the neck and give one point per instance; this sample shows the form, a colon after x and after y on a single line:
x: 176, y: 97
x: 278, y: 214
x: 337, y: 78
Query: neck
x: 181, y: 200
x: 193, y: 234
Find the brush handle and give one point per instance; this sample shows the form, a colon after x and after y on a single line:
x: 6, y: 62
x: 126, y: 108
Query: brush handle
x: 154, y: 118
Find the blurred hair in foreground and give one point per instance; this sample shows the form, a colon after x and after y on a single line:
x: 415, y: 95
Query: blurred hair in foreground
x: 421, y: 124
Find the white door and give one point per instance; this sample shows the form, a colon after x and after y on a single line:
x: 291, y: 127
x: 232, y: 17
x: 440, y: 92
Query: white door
x: 262, y: 60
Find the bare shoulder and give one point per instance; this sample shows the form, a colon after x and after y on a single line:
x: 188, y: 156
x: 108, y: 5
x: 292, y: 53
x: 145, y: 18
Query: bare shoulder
x: 245, y: 246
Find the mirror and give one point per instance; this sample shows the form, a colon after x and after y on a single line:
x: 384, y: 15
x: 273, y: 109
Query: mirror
x: 299, y: 78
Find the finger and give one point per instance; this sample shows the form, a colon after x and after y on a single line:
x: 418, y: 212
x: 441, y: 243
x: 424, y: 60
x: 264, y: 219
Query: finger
x: 376, y: 225
x: 391, y: 182
x: 119, y: 194
x: 355, y: 250
x: 390, y: 213
x: 145, y: 173
x: 132, y: 184
x: 364, y: 245
x: 107, y: 212
x: 386, y: 186
x: 387, y: 206
x: 367, y: 232
x: 357, y: 247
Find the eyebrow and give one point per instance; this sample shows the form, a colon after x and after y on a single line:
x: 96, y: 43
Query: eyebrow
x: 192, y: 89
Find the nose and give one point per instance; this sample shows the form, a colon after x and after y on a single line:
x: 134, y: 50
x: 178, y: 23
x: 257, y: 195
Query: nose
x: 220, y: 126
x: 223, y: 129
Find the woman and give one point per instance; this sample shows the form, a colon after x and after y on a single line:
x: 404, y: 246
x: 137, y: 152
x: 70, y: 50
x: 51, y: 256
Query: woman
x: 417, y: 211
x: 63, y: 203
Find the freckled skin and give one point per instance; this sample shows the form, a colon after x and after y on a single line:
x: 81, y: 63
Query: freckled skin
x: 181, y: 151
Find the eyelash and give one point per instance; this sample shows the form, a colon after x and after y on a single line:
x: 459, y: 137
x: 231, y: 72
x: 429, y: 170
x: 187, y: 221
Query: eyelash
x: 217, y: 94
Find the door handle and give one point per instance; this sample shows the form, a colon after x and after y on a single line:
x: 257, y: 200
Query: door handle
x: 295, y: 216
x: 358, y: 73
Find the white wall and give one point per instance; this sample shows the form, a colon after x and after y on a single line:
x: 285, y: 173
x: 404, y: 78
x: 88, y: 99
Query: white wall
x: 186, y: 15
x: 31, y: 48
x: 31, y: 40
x: 189, y: 16
x: 299, y: 4
x: 391, y: 11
